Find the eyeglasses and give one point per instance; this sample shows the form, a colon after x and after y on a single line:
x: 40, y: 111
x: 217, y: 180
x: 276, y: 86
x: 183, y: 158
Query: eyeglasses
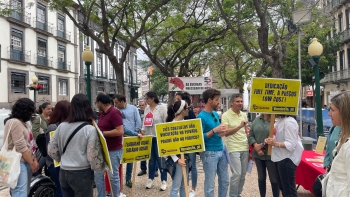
x: 215, y: 119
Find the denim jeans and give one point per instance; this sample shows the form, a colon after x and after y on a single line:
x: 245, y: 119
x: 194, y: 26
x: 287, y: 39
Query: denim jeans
x: 77, y: 183
x: 115, y: 181
x: 194, y: 172
x: 214, y: 162
x: 128, y: 171
x: 155, y: 161
x: 178, y: 182
x: 286, y: 177
x: 261, y: 166
x: 239, y: 162
x: 143, y: 165
x: 54, y: 175
x: 23, y: 184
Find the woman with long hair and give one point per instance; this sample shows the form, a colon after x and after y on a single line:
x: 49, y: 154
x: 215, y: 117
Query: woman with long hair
x: 82, y: 154
x: 19, y: 133
x: 58, y: 116
x: 177, y: 112
x: 155, y: 113
x: 286, y: 153
x: 336, y: 183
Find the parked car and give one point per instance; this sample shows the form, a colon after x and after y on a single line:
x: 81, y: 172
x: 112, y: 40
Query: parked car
x: 4, y: 113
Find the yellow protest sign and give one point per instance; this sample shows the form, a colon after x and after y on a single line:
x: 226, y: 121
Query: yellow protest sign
x: 104, y: 147
x: 274, y: 96
x: 55, y: 163
x: 136, y: 149
x: 180, y: 137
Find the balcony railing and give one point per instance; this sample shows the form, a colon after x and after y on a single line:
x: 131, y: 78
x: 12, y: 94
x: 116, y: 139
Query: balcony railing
x: 21, y: 16
x: 63, y: 65
x: 101, y: 75
x: 18, y: 55
x: 345, y: 35
x: 336, y: 76
x: 91, y: 72
x: 336, y: 3
x: 44, y: 26
x: 63, y: 34
x: 44, y: 61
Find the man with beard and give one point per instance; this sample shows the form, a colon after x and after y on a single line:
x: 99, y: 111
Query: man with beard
x: 213, y: 158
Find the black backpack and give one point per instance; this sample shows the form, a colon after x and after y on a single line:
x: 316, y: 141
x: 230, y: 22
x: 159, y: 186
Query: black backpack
x: 41, y: 143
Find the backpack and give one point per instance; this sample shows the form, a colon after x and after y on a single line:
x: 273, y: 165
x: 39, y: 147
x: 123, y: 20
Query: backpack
x: 41, y: 143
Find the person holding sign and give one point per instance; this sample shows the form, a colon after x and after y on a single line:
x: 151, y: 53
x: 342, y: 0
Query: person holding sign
x: 214, y: 157
x: 77, y: 146
x: 177, y: 112
x: 259, y: 132
x: 59, y: 115
x: 336, y: 183
x: 154, y: 114
x: 286, y: 153
x: 237, y: 143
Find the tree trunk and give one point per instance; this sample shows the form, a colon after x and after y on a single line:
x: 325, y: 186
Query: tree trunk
x: 276, y: 69
x: 171, y: 97
x: 119, y: 74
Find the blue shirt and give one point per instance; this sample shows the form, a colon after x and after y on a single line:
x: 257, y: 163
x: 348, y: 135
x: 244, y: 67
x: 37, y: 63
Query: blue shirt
x: 131, y: 118
x: 214, y: 143
x: 332, y: 139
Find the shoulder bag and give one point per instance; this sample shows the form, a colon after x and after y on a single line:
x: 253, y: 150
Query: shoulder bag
x: 9, y: 163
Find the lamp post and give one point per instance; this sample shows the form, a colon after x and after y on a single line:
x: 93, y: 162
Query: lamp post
x: 35, y: 81
x: 315, y: 50
x: 88, y: 57
x: 248, y: 88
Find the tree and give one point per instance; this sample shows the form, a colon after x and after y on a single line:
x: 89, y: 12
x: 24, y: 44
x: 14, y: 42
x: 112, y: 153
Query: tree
x: 159, y: 83
x: 114, y: 21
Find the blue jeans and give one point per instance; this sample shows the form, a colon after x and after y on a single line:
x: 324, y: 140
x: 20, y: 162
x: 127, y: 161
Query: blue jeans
x: 178, y: 182
x: 115, y: 182
x: 154, y: 160
x: 214, y: 162
x: 22, y: 189
x: 194, y: 172
x: 54, y: 175
x: 128, y: 171
x: 240, y: 162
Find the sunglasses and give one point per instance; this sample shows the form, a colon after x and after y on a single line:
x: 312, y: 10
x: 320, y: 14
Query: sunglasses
x: 215, y: 119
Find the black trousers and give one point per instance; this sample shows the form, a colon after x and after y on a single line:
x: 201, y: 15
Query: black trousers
x: 286, y: 177
x: 77, y: 183
x: 262, y: 166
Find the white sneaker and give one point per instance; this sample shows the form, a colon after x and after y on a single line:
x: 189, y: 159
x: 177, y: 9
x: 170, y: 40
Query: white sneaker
x: 163, y: 186
x: 121, y: 195
x: 193, y: 193
x: 149, y: 184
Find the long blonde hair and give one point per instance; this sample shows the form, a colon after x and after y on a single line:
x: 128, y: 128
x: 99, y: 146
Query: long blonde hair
x: 342, y: 102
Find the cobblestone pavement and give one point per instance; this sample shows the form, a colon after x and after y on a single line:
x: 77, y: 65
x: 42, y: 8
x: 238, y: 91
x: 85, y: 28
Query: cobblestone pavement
x: 250, y: 187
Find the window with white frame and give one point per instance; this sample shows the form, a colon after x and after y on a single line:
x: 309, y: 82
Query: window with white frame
x: 16, y: 39
x: 61, y: 53
x: 41, y: 47
x: 111, y: 71
x: 99, y: 66
x: 41, y: 13
x: 16, y: 4
x: 60, y: 22
x: 63, y: 87
x: 45, y: 82
x: 18, y: 83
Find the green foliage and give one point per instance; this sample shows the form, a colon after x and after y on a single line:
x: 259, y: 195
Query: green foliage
x: 159, y: 83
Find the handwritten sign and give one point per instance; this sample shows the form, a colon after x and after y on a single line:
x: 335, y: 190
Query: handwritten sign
x: 136, y: 149
x: 180, y: 137
x: 55, y: 163
x: 104, y: 147
x: 274, y: 96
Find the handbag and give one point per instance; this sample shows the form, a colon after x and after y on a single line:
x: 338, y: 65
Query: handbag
x: 9, y: 164
x: 170, y: 165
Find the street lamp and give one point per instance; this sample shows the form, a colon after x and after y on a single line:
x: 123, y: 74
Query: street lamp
x: 88, y: 57
x: 315, y: 50
x: 248, y: 88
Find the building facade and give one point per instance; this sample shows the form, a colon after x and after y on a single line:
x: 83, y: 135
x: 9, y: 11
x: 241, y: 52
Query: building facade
x: 38, y: 42
x: 339, y: 78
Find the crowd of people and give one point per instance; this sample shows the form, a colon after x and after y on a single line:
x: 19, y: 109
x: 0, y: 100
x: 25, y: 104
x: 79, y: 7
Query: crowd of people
x: 76, y: 145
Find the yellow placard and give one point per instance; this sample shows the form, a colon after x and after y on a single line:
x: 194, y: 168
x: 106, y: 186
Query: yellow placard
x: 180, y: 137
x: 55, y: 163
x: 104, y: 147
x: 321, y: 143
x: 136, y: 149
x: 274, y: 96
